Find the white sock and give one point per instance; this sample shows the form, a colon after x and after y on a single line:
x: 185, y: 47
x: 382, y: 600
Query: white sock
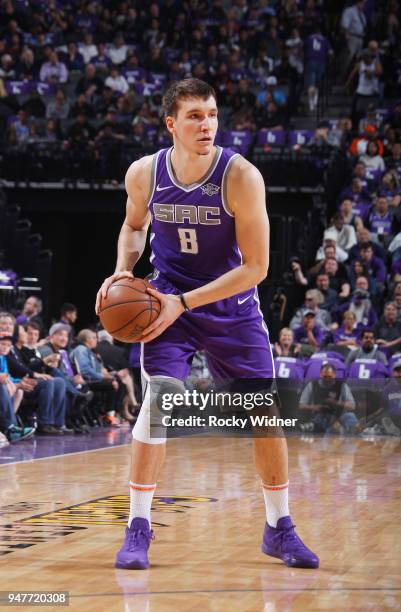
x: 276, y: 501
x: 141, y: 496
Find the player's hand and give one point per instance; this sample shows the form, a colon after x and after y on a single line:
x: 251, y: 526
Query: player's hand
x: 171, y: 309
x: 106, y: 284
x: 4, y: 378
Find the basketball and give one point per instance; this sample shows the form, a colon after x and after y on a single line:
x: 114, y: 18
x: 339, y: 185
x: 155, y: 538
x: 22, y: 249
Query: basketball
x: 128, y: 309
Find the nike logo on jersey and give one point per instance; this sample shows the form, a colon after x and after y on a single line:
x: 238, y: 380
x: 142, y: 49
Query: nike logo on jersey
x: 242, y: 300
x: 163, y: 188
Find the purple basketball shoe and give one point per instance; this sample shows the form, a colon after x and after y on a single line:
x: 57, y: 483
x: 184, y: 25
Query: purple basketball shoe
x: 133, y: 554
x: 283, y: 543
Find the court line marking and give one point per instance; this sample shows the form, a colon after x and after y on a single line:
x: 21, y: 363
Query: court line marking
x: 286, y: 590
x: 91, y: 450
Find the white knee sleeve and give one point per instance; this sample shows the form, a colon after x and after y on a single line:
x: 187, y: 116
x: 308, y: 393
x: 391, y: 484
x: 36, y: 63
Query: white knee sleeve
x: 148, y: 427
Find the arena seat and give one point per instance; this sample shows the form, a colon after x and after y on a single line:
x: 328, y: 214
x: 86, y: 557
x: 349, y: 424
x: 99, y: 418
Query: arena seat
x: 240, y: 141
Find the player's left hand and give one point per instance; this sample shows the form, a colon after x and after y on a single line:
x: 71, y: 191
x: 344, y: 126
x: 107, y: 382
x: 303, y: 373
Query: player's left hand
x: 171, y: 309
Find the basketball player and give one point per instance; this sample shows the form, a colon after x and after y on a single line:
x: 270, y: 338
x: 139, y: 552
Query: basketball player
x: 210, y: 248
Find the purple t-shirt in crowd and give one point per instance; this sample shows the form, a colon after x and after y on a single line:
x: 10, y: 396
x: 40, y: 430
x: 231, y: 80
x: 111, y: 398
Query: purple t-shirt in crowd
x: 316, y: 48
x: 376, y: 268
x: 341, y: 334
x: 380, y: 224
x: 301, y: 336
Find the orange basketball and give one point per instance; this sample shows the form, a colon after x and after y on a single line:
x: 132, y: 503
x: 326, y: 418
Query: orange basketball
x: 128, y: 309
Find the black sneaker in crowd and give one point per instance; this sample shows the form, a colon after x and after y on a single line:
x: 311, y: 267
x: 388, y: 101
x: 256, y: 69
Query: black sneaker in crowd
x: 48, y: 430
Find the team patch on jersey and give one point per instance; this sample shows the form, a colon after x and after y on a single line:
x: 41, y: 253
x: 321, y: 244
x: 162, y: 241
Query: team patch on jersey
x: 210, y: 189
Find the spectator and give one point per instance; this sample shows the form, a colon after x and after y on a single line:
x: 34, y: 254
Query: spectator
x: 328, y: 404
x: 350, y: 217
x: 313, y: 299
x: 309, y: 333
x: 118, y: 51
x: 380, y: 221
x: 58, y: 108
x: 360, y: 304
x: 89, y: 85
x: 101, y: 61
x: 8, y: 421
x: 19, y: 130
x: 87, y: 48
x: 271, y: 94
x: 81, y: 131
x: 7, y: 69
x: 360, y: 197
x: 371, y: 118
x: 317, y: 51
x: 73, y: 59
x: 243, y: 98
x: 199, y: 376
x: 390, y: 188
x: 359, y: 144
x: 33, y: 335
x: 95, y: 374
x: 388, y: 330
x: 48, y: 393
x: 369, y: 71
x: 53, y: 71
x: 116, y: 360
x: 394, y: 162
x: 360, y: 172
x: 353, y: 24
x: 31, y: 312
x: 374, y: 265
x: 368, y: 349
x: 344, y: 234
x: 82, y: 107
x: 116, y: 81
x: 372, y: 159
x: 34, y: 105
x: 347, y: 334
x: 68, y: 316
x: 363, y: 237
x: 285, y: 347
x: 26, y: 68
x: 329, y: 248
x: 329, y: 295
x: 392, y: 399
x: 338, y: 279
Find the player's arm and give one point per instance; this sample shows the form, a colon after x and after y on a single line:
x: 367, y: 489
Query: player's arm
x: 247, y: 201
x: 246, y: 196
x: 132, y: 238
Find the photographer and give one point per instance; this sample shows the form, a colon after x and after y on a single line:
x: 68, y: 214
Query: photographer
x: 328, y: 403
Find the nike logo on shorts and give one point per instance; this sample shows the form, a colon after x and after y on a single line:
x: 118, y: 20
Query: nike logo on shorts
x: 163, y: 188
x: 242, y: 300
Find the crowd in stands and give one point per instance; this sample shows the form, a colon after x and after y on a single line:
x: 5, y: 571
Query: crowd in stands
x: 87, y: 77
x: 53, y: 382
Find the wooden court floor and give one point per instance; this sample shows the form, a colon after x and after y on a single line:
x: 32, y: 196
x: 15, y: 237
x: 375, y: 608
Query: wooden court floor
x: 62, y: 520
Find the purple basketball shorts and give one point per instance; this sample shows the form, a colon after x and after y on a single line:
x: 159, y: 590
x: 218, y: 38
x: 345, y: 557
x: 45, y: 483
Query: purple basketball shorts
x: 231, y: 332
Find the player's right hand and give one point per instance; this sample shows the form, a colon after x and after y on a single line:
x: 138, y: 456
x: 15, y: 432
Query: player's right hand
x: 106, y: 284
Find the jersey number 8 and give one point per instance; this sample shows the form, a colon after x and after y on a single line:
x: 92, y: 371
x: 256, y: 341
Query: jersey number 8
x: 188, y: 241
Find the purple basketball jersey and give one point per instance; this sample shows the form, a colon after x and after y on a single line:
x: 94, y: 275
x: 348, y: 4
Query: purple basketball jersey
x: 193, y: 242
x: 193, y: 233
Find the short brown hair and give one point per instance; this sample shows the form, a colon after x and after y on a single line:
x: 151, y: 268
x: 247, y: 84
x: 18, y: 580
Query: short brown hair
x: 182, y: 90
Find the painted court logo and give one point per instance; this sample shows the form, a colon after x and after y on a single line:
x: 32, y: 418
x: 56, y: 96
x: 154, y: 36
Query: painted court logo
x: 210, y: 189
x: 48, y: 526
